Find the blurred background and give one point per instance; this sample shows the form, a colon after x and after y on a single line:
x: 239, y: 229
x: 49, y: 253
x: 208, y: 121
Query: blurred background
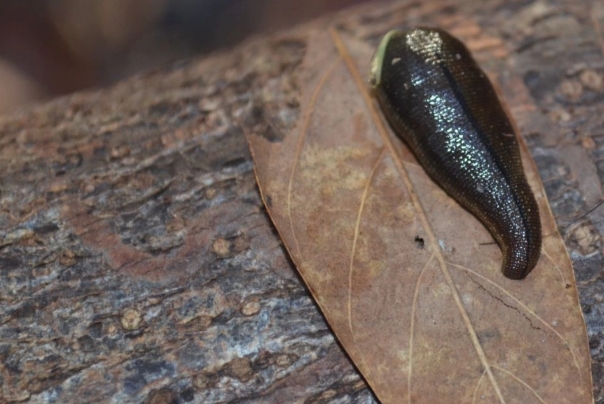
x: 54, y: 47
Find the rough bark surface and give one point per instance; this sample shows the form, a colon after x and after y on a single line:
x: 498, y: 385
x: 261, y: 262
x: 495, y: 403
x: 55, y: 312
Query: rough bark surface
x: 137, y: 263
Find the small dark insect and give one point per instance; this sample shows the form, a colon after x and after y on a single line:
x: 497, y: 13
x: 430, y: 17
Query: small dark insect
x: 419, y: 242
x: 441, y: 103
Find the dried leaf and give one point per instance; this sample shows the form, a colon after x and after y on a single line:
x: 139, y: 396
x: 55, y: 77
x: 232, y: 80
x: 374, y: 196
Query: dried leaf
x: 399, y: 269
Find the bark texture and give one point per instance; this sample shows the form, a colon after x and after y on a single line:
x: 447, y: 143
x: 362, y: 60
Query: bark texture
x: 137, y: 263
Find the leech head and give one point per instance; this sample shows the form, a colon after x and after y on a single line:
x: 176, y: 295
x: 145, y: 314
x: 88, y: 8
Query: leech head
x: 375, y: 69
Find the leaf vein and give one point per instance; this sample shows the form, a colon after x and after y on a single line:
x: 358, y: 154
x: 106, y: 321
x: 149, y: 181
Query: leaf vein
x: 527, y: 309
x: 519, y: 380
x: 300, y: 145
x: 356, y: 237
x: 476, y: 388
x: 412, y: 326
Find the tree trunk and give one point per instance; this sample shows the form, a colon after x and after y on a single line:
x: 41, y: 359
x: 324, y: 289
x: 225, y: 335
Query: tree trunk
x: 137, y: 262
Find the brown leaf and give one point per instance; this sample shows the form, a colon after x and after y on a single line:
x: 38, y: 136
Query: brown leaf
x: 399, y: 269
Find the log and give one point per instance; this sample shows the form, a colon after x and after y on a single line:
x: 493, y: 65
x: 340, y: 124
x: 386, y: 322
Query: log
x: 137, y: 262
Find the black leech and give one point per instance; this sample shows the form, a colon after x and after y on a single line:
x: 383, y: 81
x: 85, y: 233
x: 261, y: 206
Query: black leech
x: 444, y: 107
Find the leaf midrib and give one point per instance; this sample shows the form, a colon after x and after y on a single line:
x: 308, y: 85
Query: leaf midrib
x: 345, y: 55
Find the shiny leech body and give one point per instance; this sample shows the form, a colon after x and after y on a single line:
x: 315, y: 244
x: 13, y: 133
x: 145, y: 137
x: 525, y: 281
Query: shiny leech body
x: 439, y: 101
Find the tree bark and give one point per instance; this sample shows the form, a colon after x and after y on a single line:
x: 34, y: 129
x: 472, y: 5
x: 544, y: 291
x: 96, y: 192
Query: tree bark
x: 137, y: 262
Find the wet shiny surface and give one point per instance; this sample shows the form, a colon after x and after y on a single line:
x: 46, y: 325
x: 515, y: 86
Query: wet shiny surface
x: 442, y: 104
